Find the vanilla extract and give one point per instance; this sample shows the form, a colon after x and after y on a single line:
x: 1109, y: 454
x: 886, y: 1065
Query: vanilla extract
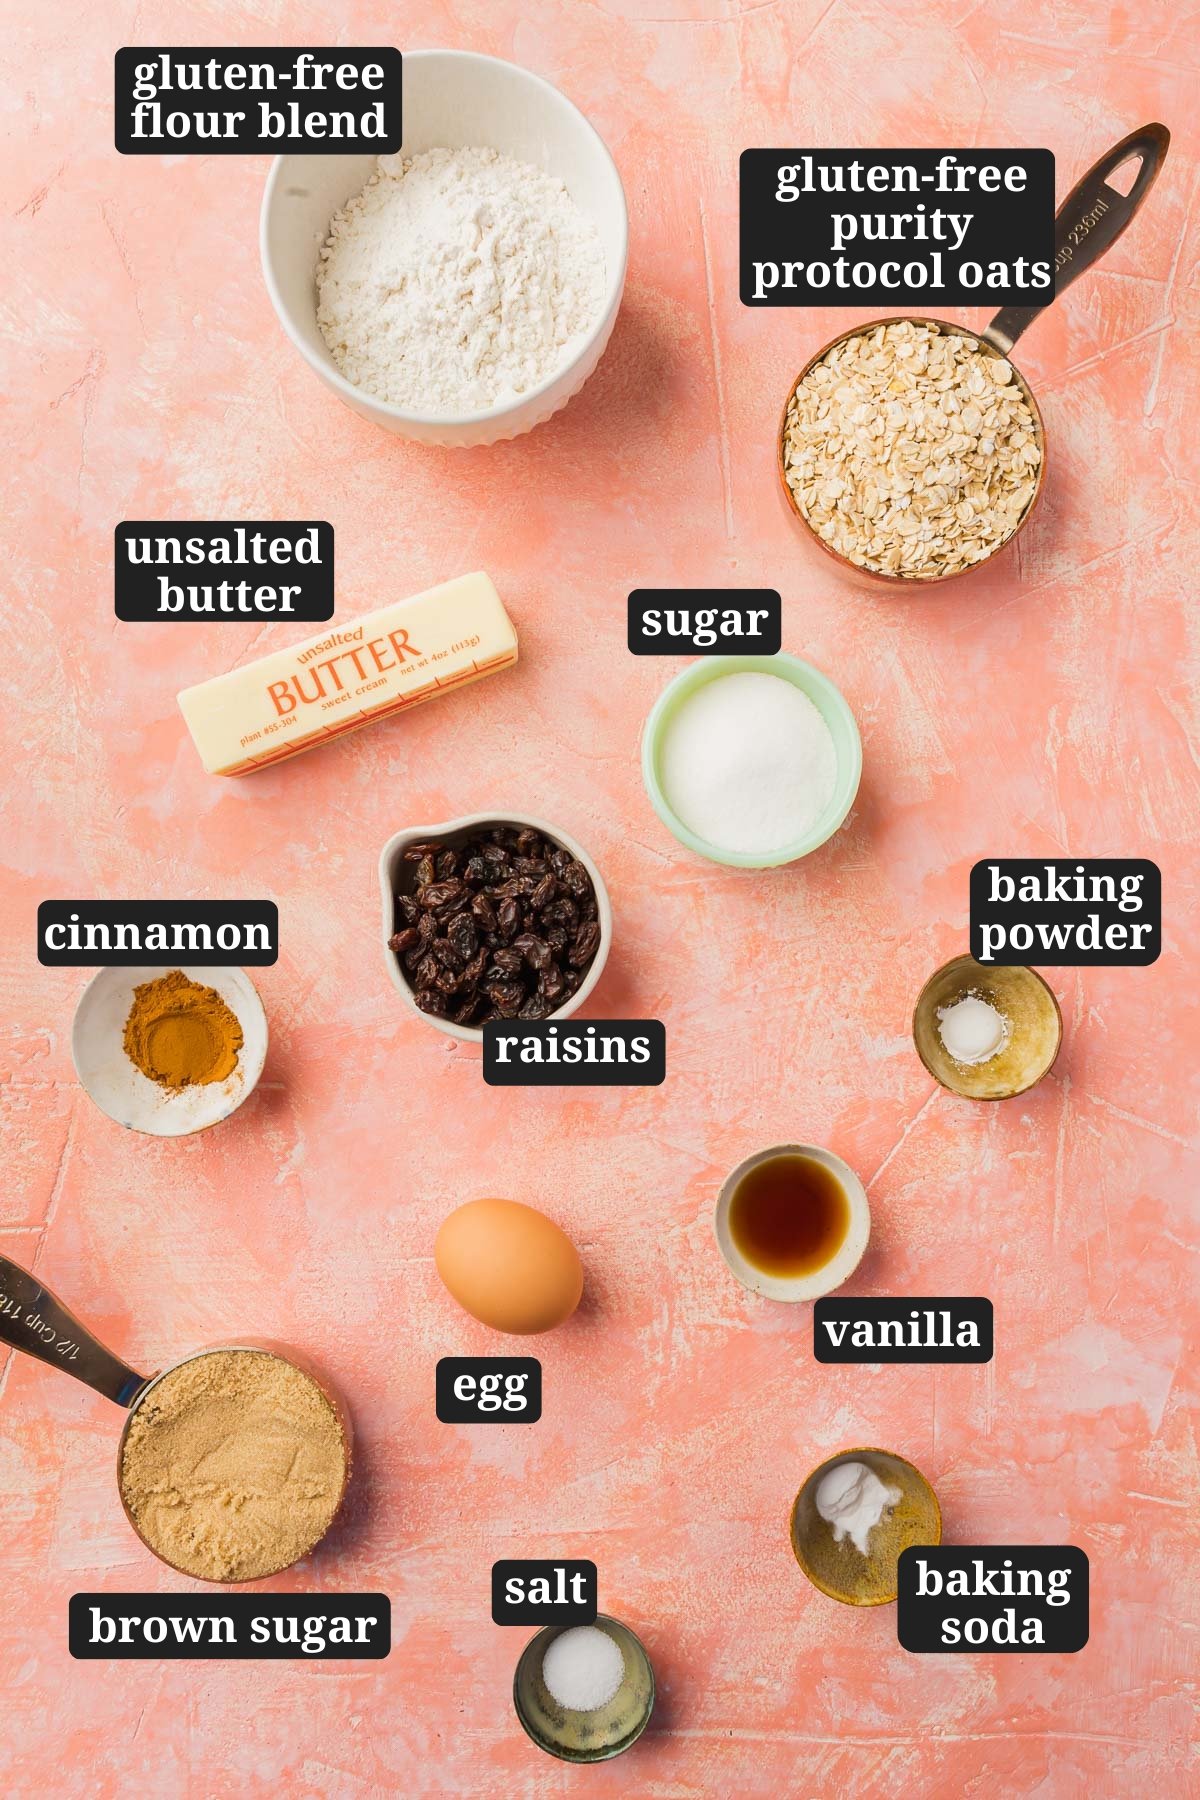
x: 930, y: 1329
x: 789, y: 1216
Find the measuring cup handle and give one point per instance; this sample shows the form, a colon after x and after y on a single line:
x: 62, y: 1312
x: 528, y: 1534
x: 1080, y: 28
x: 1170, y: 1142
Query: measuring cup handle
x: 36, y: 1321
x: 1089, y: 222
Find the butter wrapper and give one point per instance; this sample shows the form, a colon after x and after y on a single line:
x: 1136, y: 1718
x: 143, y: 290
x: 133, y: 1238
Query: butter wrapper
x: 350, y: 675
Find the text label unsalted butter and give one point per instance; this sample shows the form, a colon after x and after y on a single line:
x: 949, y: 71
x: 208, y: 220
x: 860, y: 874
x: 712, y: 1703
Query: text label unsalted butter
x: 167, y: 569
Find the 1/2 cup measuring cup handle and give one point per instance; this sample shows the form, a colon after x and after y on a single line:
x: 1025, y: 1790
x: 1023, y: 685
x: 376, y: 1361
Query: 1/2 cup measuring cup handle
x: 1089, y: 221
x: 36, y: 1321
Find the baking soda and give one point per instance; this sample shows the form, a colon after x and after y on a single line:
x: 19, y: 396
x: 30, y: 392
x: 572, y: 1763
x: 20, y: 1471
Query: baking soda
x: 748, y: 763
x: 853, y: 1500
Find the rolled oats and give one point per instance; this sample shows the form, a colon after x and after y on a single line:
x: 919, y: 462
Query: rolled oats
x: 911, y: 451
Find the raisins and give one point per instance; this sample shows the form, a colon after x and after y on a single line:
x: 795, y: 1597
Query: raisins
x: 502, y: 924
x: 508, y: 919
x: 484, y: 911
x: 535, y: 950
x: 439, y: 896
x: 587, y: 942
x: 461, y: 933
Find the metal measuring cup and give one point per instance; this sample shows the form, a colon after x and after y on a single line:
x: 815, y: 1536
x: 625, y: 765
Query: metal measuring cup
x: 34, y: 1320
x: 1087, y: 224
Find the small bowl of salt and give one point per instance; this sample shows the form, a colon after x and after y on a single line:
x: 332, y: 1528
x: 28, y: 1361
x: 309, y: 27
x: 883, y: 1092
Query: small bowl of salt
x: 751, y: 761
x: 584, y: 1693
x: 987, y: 1033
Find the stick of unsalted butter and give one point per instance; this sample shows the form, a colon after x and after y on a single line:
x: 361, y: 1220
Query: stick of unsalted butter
x: 379, y: 664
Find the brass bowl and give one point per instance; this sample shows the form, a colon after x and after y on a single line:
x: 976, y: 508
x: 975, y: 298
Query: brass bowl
x: 841, y: 1570
x: 1028, y: 1004
x: 879, y: 577
x: 585, y: 1737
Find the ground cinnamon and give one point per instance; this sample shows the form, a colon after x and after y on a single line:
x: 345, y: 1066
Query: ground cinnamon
x: 180, y: 1033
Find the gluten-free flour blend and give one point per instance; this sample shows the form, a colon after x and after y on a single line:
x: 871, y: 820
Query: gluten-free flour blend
x: 456, y: 280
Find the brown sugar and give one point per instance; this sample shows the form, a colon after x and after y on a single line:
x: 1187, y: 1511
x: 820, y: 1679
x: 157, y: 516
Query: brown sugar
x: 234, y: 1465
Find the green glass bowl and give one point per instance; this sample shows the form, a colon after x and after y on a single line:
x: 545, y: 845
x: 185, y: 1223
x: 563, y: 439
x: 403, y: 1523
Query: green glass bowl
x: 828, y: 701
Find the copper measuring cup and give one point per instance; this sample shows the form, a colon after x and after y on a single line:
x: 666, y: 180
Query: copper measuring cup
x: 34, y: 1320
x: 1087, y: 224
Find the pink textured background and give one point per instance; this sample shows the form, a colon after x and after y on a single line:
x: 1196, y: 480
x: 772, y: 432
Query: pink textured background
x: 1047, y: 709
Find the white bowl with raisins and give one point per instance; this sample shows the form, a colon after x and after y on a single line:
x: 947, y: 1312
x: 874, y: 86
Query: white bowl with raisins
x: 492, y: 917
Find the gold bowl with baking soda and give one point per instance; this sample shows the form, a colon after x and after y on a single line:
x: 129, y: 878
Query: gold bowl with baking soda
x: 1022, y: 998
x: 840, y: 1569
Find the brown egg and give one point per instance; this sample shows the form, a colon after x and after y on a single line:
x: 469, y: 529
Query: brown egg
x: 509, y: 1266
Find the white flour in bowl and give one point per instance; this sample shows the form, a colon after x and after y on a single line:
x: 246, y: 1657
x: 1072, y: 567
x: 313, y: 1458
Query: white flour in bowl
x: 456, y: 280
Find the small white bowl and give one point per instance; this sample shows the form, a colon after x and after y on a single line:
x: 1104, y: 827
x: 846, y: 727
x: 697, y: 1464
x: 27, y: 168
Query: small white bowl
x: 824, y: 1280
x: 391, y: 863
x: 452, y: 99
x: 131, y: 1098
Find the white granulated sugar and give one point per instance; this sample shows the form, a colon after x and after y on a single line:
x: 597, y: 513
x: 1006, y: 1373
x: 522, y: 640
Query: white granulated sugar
x: 748, y: 763
x: 456, y: 280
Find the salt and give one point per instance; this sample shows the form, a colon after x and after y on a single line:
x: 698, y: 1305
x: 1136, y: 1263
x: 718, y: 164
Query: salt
x: 748, y: 763
x: 972, y: 1030
x: 583, y: 1668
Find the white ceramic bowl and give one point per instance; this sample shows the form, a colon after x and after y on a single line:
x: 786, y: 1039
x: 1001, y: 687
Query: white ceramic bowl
x: 839, y: 1268
x: 452, y: 99
x: 128, y: 1096
x: 391, y: 864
